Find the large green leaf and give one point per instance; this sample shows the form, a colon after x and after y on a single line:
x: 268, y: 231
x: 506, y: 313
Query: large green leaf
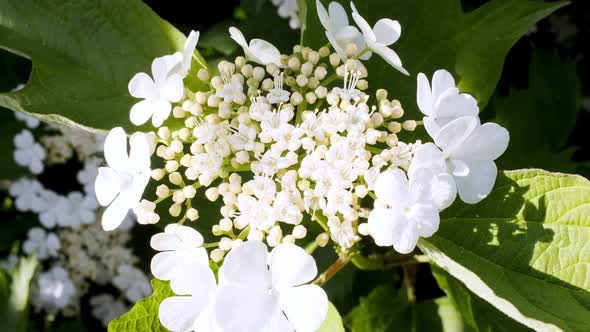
x: 524, y: 248
x: 477, y: 313
x: 438, y: 34
x: 144, y: 314
x: 388, y: 309
x: 14, y: 295
x: 545, y: 114
x: 84, y: 53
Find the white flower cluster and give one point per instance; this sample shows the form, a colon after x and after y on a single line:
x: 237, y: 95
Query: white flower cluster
x: 74, y: 250
x: 281, y: 144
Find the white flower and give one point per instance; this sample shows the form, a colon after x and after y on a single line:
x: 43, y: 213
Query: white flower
x: 286, y: 210
x: 259, y: 51
x: 205, y: 132
x: 87, y: 175
x: 350, y: 92
x: 442, y: 103
x: 121, y: 185
x: 259, y: 214
x: 468, y: 150
x: 180, y: 62
x: 132, y: 282
x: 30, y: 121
x: 28, y: 195
x: 55, y: 289
x: 158, y: 94
x: 179, y: 245
x: 27, y: 152
x: 411, y: 212
x: 385, y: 33
x: 232, y: 89
x: 338, y: 31
x: 277, y: 95
x: 105, y: 308
x: 145, y: 214
x: 41, y: 243
x: 289, y: 9
x: 268, y: 292
x: 9, y: 262
x: 191, y: 311
x: 243, y: 138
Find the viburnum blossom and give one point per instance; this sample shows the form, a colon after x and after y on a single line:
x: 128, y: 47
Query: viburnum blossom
x: 41, y: 243
x: 292, y: 146
x: 28, y: 153
x: 121, y: 185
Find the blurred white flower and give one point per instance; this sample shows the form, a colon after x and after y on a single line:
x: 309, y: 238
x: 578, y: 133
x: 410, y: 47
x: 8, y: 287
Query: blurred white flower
x: 28, y: 153
x: 42, y: 244
x: 132, y: 282
x: 121, y: 185
x: 29, y: 121
x: 105, y: 308
x: 55, y: 290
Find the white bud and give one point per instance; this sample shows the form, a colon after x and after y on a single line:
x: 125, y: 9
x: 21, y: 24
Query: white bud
x: 164, y: 133
x: 242, y: 157
x: 409, y: 125
x: 189, y: 191
x: 307, y: 69
x: 258, y: 73
x: 296, y: 98
x: 226, y: 224
x: 322, y: 239
x: 361, y: 191
x: 176, y: 146
x: 299, y: 232
x: 192, y: 214
x: 301, y: 80
x: 158, y: 174
x: 178, y: 112
x: 294, y: 63
x: 217, y: 255
x: 201, y: 97
x: 289, y: 239
x: 334, y: 59
x: 225, y: 243
x: 240, y: 61
x: 267, y: 84
x: 310, y: 97
x: 175, y: 210
x: 175, y: 178
x: 178, y: 197
x: 391, y: 140
x: 162, y: 191
x: 203, y: 74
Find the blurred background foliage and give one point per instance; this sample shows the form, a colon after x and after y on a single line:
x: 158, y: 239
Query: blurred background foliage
x: 542, y: 99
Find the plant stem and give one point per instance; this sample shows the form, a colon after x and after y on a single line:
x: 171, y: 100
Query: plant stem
x: 409, y: 282
x: 338, y: 265
x: 330, y: 79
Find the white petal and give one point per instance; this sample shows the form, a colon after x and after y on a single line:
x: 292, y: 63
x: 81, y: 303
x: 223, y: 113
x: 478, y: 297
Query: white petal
x: 238, y: 37
x: 195, y: 279
x: 338, y: 15
x: 265, y: 52
x: 391, y: 187
x: 364, y: 26
x: 426, y: 219
x: 139, y: 151
x: 173, y: 89
x: 458, y: 167
x: 278, y: 322
x: 337, y: 47
x: 487, y: 142
x: 290, y: 266
x: 381, y: 226
x: 456, y: 105
x: 246, y: 264
x: 179, y: 313
x: 305, y: 307
x: 165, y: 241
x: 479, y: 183
x: 444, y: 191
x: 106, y: 185
x: 390, y: 57
x: 162, y: 109
x: 187, y: 235
x: 189, y: 49
x: 405, y: 238
x: 243, y: 308
x: 387, y: 31
x: 432, y: 127
x: 164, y: 265
x: 441, y: 81
x: 115, y: 149
x: 428, y: 156
x: 141, y: 112
x: 323, y: 15
x: 420, y: 185
x: 454, y: 134
x: 142, y: 86
x: 159, y: 71
x: 114, y: 214
x: 424, y: 95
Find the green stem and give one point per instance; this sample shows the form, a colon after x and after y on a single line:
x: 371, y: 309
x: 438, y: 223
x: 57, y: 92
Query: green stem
x: 338, y: 265
x: 210, y: 245
x: 330, y: 79
x: 362, y: 53
x: 311, y: 247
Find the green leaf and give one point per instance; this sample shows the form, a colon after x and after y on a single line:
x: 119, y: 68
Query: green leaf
x: 333, y: 322
x: 545, y: 114
x: 14, y: 294
x: 144, y: 314
x: 523, y: 248
x: 477, y: 313
x: 263, y: 21
x: 438, y: 34
x: 389, y: 309
x: 84, y: 53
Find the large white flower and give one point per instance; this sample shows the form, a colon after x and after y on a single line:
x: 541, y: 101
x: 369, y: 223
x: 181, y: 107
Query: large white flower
x: 158, y: 94
x: 121, y: 185
x: 180, y: 62
x: 338, y: 30
x: 197, y: 287
x: 385, y: 33
x: 411, y: 212
x: 442, y: 103
x: 259, y: 51
x: 468, y: 150
x: 179, y: 246
x: 262, y: 292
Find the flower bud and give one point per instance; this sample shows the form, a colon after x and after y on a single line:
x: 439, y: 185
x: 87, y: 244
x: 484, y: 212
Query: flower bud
x: 175, y: 210
x: 192, y: 214
x: 363, y: 229
x: 322, y: 239
x: 217, y: 255
x: 178, y: 112
x: 334, y: 59
x: 189, y: 191
x: 226, y: 224
x: 175, y: 178
x: 258, y: 73
x: 203, y: 74
x: 162, y: 191
x: 158, y: 174
x: 299, y: 232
